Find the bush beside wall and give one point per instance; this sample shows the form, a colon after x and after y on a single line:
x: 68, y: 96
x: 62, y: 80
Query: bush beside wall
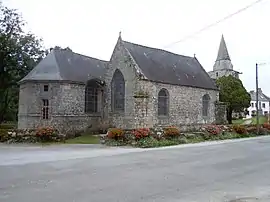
x: 165, y: 136
x: 45, y: 134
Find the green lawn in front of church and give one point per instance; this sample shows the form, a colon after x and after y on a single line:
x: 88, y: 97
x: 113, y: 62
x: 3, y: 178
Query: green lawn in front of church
x: 253, y: 120
x: 84, y: 139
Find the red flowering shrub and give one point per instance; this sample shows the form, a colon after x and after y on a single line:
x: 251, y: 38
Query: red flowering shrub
x: 171, y: 131
x: 213, y: 129
x: 239, y: 129
x: 266, y: 126
x: 141, y: 133
x: 115, y: 133
x: 251, y: 129
x: 46, y: 134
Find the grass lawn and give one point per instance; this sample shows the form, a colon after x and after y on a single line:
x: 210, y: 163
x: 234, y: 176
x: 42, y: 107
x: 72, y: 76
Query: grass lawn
x: 239, y: 121
x: 8, y: 125
x: 84, y: 139
x: 262, y: 120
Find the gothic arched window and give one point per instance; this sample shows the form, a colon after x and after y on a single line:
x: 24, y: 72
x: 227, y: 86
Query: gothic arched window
x: 163, y: 102
x: 205, y: 105
x: 118, y: 91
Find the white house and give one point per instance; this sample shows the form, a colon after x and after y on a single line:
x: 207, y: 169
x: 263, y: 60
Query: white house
x: 263, y: 101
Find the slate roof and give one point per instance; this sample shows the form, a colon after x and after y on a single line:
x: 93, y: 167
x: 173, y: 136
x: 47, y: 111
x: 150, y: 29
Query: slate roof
x: 65, y: 65
x: 261, y: 96
x: 223, y: 53
x: 157, y: 65
x: 166, y: 67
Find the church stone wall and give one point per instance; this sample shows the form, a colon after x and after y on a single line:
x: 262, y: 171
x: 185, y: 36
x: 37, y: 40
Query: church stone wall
x: 121, y: 60
x: 185, y: 105
x: 142, y: 111
x: 66, y: 107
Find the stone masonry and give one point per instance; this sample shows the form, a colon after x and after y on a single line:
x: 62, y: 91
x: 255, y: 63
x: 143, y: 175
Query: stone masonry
x: 185, y: 102
x: 66, y: 107
x: 121, y: 60
x: 66, y: 93
x: 185, y: 105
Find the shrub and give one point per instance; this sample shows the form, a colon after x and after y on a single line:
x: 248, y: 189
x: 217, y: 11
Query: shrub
x: 251, y: 129
x: 141, y: 133
x: 213, y: 129
x: 115, y: 133
x: 171, y: 131
x: 3, y: 135
x: 239, y: 129
x: 19, y: 136
x: 46, y: 134
x: 152, y: 142
x: 157, y: 133
x: 263, y: 131
x: 266, y: 126
x: 114, y: 142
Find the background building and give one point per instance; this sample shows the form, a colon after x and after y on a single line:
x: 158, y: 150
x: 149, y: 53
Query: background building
x: 264, y: 104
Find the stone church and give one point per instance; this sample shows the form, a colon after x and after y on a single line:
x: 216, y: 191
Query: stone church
x: 138, y: 87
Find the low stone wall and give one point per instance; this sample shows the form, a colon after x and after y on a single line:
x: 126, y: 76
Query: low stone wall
x: 220, y: 113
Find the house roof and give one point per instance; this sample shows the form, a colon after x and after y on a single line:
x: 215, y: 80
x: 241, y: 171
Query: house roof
x: 261, y: 96
x: 65, y: 65
x: 223, y: 53
x: 166, y: 67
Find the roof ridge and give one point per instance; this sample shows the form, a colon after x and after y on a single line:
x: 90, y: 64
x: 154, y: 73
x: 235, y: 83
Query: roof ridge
x: 159, y: 49
x: 90, y: 57
x: 79, y: 54
x: 53, y: 52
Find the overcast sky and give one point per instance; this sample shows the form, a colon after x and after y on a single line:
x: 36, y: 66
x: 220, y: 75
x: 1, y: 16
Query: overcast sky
x: 91, y: 27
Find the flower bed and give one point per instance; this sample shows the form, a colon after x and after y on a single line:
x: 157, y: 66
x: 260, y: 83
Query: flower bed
x: 44, y: 134
x: 165, y: 136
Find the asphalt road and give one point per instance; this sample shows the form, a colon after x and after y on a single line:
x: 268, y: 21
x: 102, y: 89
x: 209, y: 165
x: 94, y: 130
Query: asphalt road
x: 202, y: 173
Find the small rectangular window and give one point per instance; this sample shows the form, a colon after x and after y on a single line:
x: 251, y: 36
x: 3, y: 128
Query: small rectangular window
x: 263, y: 105
x: 252, y: 104
x: 45, y: 109
x: 46, y: 88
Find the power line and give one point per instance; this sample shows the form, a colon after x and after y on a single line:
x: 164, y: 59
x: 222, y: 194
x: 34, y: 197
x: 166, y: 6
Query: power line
x: 214, y: 24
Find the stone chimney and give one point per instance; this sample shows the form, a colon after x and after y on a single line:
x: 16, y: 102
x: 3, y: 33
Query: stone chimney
x: 68, y: 49
x: 259, y: 90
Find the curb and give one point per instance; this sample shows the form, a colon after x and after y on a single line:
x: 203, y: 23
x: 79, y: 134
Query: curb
x: 208, y: 143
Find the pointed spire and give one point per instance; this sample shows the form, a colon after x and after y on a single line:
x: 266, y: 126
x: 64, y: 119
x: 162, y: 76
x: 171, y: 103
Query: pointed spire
x: 223, y: 51
x: 120, y: 37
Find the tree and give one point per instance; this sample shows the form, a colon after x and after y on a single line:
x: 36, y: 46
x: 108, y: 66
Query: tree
x: 234, y: 94
x: 19, y: 53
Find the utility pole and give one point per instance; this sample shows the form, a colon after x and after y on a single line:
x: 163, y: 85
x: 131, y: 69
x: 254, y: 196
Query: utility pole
x: 257, y: 101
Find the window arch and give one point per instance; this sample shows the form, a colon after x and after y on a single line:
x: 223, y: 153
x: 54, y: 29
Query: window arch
x: 205, y: 105
x: 91, y: 97
x: 118, y: 91
x: 163, y: 102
